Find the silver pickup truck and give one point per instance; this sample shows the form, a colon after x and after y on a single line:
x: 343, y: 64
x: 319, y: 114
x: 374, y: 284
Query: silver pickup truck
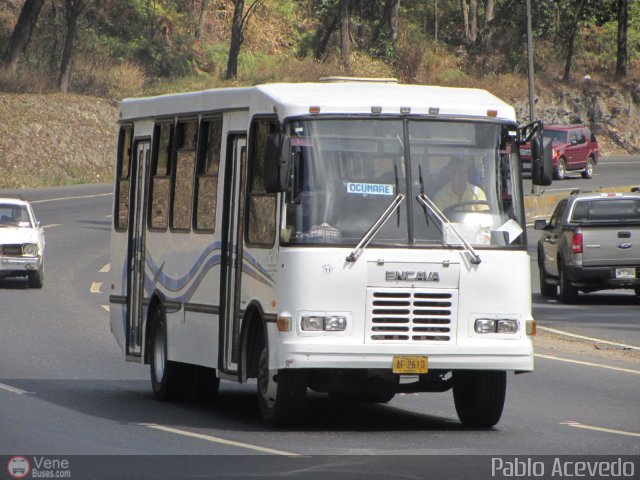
x: 591, y: 242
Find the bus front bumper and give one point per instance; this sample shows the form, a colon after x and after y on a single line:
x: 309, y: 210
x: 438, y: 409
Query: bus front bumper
x: 506, y: 358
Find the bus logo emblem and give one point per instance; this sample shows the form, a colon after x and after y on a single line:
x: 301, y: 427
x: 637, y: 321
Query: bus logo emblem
x: 409, y: 276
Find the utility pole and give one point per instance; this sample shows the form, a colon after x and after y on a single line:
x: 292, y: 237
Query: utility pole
x: 532, y: 102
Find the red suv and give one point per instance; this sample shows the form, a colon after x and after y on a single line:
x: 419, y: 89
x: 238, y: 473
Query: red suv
x: 574, y: 148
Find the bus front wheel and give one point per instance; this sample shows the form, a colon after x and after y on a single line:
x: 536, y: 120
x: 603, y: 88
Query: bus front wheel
x: 170, y: 381
x: 282, y: 394
x: 479, y: 396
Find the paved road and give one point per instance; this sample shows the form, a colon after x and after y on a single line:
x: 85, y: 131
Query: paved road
x: 610, y: 172
x: 65, y: 389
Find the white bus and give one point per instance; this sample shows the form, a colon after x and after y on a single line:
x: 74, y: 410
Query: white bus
x: 316, y: 236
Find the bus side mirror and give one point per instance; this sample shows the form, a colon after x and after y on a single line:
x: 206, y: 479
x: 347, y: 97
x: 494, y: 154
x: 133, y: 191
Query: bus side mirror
x: 541, y: 158
x: 277, y: 162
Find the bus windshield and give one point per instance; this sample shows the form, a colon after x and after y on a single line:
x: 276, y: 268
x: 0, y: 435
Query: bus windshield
x: 347, y: 172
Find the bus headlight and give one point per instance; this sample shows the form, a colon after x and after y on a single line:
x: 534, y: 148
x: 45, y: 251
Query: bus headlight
x: 496, y: 325
x: 312, y: 324
x: 29, y: 249
x: 334, y: 323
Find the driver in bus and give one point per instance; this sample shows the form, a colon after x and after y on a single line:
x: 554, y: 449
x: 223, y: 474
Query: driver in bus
x: 458, y: 189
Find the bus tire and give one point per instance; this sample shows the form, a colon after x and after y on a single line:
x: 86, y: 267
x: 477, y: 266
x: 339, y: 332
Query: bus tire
x: 282, y: 397
x: 479, y: 396
x: 170, y: 381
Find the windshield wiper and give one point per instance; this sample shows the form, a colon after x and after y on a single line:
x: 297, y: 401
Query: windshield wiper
x: 427, y: 202
x: 356, y: 252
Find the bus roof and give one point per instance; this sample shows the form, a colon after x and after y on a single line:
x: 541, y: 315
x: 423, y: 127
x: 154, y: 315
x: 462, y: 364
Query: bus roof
x: 295, y: 99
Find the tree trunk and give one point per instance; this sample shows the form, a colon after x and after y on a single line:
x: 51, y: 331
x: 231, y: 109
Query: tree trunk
x: 236, y: 40
x: 465, y: 20
x: 73, y: 9
x: 623, y: 25
x: 393, y: 22
x: 201, y: 18
x: 321, y: 48
x: 489, y: 16
x: 573, y: 30
x: 21, y: 34
x: 473, y: 21
x: 345, y: 40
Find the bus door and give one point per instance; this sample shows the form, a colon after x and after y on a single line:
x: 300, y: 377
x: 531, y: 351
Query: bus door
x: 232, y: 238
x: 135, y: 266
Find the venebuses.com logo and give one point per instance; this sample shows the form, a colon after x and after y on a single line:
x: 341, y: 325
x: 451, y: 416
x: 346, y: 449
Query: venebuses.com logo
x: 38, y: 467
x: 18, y: 467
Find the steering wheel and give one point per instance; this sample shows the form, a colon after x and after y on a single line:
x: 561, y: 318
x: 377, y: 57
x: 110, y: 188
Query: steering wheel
x: 465, y: 207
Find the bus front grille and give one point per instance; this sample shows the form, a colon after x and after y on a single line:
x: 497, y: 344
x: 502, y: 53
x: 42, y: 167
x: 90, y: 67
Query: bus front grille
x: 410, y: 315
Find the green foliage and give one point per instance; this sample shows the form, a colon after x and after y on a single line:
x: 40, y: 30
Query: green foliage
x: 123, y: 43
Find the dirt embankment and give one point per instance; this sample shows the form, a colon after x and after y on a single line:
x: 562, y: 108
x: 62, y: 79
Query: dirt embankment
x: 55, y: 139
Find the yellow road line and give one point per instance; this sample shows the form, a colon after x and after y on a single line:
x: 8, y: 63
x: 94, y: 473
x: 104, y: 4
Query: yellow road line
x: 11, y: 389
x: 589, y: 364
x: 95, y: 287
x: 106, y: 307
x: 106, y: 268
x: 600, y: 429
x: 222, y: 441
x: 582, y: 337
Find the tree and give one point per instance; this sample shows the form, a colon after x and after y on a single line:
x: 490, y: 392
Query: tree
x: 73, y: 10
x: 623, y: 25
x: 345, y: 38
x: 239, y: 23
x: 21, y: 34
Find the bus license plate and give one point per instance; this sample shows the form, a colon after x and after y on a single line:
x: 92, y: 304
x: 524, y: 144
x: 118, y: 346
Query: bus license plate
x: 407, y: 364
x: 626, y: 272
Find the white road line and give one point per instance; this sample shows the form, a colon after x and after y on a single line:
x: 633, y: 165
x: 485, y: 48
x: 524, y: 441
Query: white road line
x: 95, y: 287
x: 105, y: 268
x: 588, y: 364
x: 11, y: 389
x: 106, y: 307
x: 571, y: 423
x: 582, y: 337
x: 52, y: 225
x: 71, y: 198
x: 222, y: 441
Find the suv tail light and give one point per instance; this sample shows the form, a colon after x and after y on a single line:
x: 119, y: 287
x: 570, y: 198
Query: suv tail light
x: 576, y: 242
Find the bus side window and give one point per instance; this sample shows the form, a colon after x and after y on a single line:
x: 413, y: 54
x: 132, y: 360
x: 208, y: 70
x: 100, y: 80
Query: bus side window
x: 185, y: 161
x: 161, y: 169
x: 121, y: 215
x: 208, y: 167
x: 261, y: 219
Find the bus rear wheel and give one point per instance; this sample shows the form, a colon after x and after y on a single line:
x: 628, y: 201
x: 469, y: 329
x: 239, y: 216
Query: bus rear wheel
x: 282, y: 394
x: 479, y: 396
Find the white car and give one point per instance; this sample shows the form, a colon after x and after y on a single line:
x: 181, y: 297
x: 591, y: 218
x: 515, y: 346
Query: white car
x: 21, y: 242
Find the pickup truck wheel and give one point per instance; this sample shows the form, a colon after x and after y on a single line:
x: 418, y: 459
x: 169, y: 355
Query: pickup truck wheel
x: 561, y: 169
x: 479, y: 396
x: 568, y: 293
x: 546, y: 290
x: 588, y: 169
